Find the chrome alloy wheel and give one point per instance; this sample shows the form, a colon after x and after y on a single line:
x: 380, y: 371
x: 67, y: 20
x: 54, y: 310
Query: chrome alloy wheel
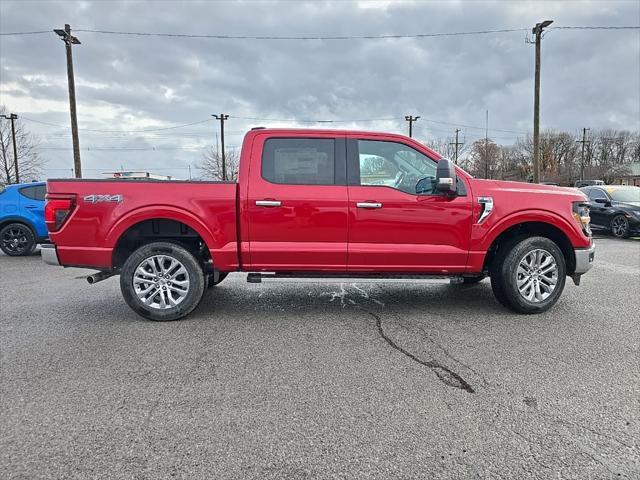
x: 537, y: 275
x: 161, y: 282
x: 619, y: 226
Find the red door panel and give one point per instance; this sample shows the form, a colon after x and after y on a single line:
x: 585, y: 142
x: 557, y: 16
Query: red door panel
x: 392, y: 228
x: 408, y: 232
x: 295, y: 227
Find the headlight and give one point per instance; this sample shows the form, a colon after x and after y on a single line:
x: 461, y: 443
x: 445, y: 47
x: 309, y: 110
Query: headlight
x: 581, y: 215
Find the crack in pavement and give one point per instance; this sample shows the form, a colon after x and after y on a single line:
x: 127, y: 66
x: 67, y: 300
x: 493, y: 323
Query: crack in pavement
x: 447, y: 376
x: 429, y: 338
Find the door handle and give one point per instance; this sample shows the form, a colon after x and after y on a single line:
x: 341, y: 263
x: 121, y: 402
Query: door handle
x: 31, y: 207
x: 369, y: 205
x: 268, y: 203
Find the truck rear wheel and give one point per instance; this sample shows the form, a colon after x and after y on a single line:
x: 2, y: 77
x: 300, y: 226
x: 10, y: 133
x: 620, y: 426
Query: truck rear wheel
x: 528, y: 275
x: 162, y: 281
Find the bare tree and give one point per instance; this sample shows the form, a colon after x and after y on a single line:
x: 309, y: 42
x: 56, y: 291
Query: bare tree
x: 446, y: 148
x: 610, y: 153
x: 483, y: 159
x: 29, y: 161
x: 211, y: 163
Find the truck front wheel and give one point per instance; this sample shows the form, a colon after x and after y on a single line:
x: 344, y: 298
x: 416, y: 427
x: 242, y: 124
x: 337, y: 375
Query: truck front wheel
x: 528, y: 275
x: 162, y: 281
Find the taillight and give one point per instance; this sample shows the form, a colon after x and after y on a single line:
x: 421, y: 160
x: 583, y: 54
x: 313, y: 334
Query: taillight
x: 57, y: 210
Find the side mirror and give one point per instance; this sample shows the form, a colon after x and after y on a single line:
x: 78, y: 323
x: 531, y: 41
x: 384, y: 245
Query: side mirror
x: 446, y: 177
x: 604, y: 201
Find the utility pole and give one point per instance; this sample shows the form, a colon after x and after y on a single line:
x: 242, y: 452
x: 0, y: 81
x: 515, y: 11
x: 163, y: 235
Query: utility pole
x: 411, y: 119
x: 486, y: 145
x: 537, y: 30
x: 222, y: 117
x: 69, y: 40
x: 456, y: 143
x: 584, y: 141
x: 13, y: 117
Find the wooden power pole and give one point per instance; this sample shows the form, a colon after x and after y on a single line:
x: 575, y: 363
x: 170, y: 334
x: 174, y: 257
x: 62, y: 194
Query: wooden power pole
x: 456, y: 144
x: 12, y: 118
x: 486, y: 145
x: 537, y: 30
x: 584, y: 141
x: 69, y: 40
x: 222, y: 117
x: 411, y: 119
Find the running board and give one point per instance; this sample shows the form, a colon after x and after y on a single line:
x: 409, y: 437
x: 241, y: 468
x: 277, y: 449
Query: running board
x: 259, y: 277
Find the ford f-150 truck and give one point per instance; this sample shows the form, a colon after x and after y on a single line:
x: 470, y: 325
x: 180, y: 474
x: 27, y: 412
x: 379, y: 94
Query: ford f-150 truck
x: 320, y: 203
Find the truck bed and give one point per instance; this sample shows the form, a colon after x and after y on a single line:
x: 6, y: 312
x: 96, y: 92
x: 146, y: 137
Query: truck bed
x: 105, y: 209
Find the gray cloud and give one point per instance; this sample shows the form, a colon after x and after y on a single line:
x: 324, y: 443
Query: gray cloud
x: 589, y: 78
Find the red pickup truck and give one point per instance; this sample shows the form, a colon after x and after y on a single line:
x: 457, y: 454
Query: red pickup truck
x: 320, y: 203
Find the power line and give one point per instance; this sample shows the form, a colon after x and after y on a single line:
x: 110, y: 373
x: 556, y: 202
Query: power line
x: 128, y: 149
x: 598, y: 28
x: 37, y: 32
x: 330, y: 37
x: 274, y: 37
x: 319, y: 121
x: 388, y: 119
x: 120, y: 131
x: 266, y: 119
x: 474, y: 127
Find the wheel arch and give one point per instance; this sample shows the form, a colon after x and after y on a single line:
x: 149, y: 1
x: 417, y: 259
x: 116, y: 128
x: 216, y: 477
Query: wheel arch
x: 529, y: 228
x: 159, y: 225
x: 8, y: 220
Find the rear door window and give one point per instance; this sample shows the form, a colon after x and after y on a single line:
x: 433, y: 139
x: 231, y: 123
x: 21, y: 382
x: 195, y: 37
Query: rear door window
x: 299, y: 161
x: 37, y: 192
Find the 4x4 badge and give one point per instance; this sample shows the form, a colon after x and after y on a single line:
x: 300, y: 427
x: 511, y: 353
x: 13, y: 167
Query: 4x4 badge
x: 103, y: 198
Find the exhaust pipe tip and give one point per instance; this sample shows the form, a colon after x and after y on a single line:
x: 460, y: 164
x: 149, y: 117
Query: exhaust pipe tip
x: 98, y: 277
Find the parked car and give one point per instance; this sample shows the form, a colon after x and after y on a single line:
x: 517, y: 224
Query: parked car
x: 586, y: 183
x: 615, y: 208
x: 321, y: 203
x: 22, y: 225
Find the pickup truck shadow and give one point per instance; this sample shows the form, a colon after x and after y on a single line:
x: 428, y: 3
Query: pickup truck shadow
x: 452, y: 300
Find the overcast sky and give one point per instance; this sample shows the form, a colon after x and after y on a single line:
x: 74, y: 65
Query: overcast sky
x: 590, y: 78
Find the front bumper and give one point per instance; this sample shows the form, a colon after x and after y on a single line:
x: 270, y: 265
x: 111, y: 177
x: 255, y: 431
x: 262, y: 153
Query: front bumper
x: 584, y: 259
x: 49, y: 254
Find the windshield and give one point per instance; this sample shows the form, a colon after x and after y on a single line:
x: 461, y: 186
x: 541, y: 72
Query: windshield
x: 625, y: 194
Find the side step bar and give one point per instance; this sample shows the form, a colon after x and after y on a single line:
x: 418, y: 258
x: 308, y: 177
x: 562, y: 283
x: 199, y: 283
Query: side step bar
x: 259, y: 277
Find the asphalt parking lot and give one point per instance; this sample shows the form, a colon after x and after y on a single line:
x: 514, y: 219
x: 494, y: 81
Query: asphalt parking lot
x: 310, y: 380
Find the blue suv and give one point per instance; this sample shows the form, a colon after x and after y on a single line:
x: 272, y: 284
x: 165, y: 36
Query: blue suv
x: 22, y: 224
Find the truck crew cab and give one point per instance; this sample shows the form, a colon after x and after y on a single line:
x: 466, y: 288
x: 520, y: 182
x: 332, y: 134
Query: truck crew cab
x: 321, y: 203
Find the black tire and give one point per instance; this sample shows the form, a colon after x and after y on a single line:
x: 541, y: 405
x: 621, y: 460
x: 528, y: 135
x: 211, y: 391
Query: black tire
x: 619, y: 226
x: 17, y: 239
x: 504, y: 274
x: 188, y: 300
x: 221, y: 277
